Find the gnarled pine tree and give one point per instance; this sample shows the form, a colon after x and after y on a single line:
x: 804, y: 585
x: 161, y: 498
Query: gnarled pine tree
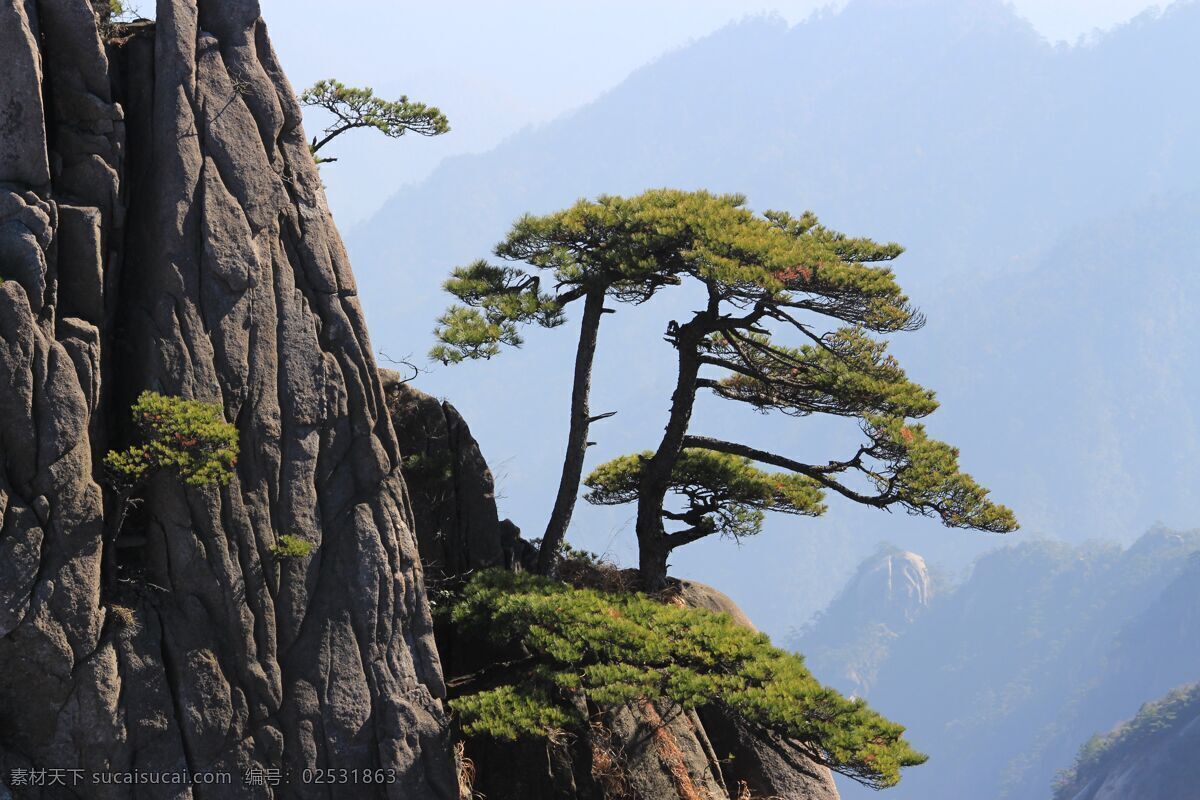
x: 353, y: 107
x: 762, y: 274
x: 625, y: 249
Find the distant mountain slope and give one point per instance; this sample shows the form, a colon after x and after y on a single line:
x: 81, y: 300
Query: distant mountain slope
x: 1150, y: 757
x: 1045, y: 645
x: 1045, y: 195
x: 848, y: 642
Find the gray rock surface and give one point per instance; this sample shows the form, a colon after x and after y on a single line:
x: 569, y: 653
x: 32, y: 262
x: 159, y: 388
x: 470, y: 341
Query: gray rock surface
x: 453, y: 493
x: 163, y: 227
x: 763, y: 767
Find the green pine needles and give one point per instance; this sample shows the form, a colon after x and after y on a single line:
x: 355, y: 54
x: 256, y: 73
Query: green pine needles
x: 620, y: 648
x: 353, y: 107
x: 188, y: 437
x: 724, y: 493
x: 291, y: 546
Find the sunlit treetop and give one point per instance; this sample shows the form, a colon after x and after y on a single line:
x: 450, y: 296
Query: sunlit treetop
x: 353, y: 107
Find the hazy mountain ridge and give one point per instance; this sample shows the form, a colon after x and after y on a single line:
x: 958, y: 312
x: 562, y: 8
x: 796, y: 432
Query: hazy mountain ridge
x: 1146, y: 758
x: 847, y: 642
x: 1034, y: 185
x: 1043, y: 646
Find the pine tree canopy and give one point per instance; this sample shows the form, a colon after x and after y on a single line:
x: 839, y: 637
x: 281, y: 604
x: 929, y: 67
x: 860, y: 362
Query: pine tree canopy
x: 354, y: 107
x: 632, y: 247
x: 845, y: 373
x: 724, y: 493
x: 622, y: 648
x: 764, y: 276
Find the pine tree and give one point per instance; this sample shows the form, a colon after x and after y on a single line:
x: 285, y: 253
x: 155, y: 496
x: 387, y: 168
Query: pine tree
x: 188, y: 438
x: 624, y: 249
x: 353, y: 107
x: 762, y: 275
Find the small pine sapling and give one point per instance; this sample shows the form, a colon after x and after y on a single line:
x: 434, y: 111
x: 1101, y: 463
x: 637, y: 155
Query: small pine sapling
x: 188, y: 438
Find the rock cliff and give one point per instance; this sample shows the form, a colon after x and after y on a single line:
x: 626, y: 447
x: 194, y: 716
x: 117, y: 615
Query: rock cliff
x: 163, y: 227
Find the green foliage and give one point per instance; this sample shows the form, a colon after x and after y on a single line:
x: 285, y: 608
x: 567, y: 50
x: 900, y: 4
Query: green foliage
x: 495, y: 300
x: 189, y: 437
x: 845, y: 373
x: 508, y: 713
x: 725, y: 493
x: 922, y: 474
x: 353, y: 107
x: 762, y: 274
x: 633, y: 246
x: 290, y: 546
x: 619, y: 648
x: 628, y: 247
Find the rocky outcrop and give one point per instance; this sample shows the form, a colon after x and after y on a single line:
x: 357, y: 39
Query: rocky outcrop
x: 163, y: 227
x: 653, y: 751
x: 851, y: 639
x: 640, y: 751
x: 453, y: 494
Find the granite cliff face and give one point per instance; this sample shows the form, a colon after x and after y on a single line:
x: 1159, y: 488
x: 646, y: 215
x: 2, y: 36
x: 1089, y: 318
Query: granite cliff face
x: 163, y: 227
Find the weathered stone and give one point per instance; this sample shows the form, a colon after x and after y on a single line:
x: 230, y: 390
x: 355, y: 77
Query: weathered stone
x: 232, y: 286
x: 23, y: 157
x: 453, y: 494
x: 80, y: 262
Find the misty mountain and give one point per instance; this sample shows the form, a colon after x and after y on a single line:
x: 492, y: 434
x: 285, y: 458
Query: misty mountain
x: 1002, y: 679
x: 1147, y: 757
x: 1047, y: 198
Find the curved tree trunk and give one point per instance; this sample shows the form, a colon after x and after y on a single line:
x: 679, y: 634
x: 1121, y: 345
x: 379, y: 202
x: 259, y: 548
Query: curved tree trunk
x: 653, y: 544
x: 163, y: 227
x: 577, y: 444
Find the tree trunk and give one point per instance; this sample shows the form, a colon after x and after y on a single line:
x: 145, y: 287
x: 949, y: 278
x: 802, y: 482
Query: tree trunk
x: 108, y: 559
x: 653, y: 546
x: 653, y: 551
x: 572, y: 471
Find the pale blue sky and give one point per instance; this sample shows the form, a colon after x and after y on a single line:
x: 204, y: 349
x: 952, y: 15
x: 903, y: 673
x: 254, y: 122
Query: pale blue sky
x: 498, y: 67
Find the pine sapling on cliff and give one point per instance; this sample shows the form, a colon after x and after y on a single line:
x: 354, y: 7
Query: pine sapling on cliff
x: 353, y: 107
x: 188, y: 438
